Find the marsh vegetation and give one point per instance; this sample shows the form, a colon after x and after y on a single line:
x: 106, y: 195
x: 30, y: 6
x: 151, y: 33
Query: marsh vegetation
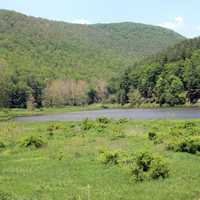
x: 100, y: 159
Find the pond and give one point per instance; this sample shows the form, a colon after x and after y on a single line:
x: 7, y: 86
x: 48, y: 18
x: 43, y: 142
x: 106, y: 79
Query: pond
x: 158, y: 113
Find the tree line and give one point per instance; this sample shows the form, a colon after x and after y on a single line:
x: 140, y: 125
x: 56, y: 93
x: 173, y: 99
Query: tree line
x: 33, y: 89
x: 169, y: 78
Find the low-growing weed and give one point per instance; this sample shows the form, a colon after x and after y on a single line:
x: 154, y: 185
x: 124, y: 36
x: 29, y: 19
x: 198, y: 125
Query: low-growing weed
x: 54, y: 127
x: 6, y: 196
x: 187, y: 144
x: 109, y: 157
x: 2, y: 145
x: 143, y: 166
x: 87, y: 125
x: 122, y: 121
x: 32, y: 141
x: 103, y: 120
x: 117, y: 133
x: 152, y: 136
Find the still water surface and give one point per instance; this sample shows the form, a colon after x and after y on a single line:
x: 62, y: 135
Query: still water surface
x: 168, y: 113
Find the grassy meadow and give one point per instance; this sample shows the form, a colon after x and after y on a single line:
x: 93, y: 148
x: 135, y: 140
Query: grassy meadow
x: 63, y: 160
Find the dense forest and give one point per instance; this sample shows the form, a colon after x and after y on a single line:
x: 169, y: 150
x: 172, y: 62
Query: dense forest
x: 78, y: 51
x: 168, y: 78
x: 48, y: 63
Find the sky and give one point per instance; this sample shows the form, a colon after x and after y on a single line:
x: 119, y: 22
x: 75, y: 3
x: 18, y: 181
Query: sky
x: 182, y: 16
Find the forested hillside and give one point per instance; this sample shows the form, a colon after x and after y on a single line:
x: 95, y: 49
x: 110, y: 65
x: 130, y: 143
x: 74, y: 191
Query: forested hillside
x: 78, y: 51
x: 171, y: 77
x: 57, y: 63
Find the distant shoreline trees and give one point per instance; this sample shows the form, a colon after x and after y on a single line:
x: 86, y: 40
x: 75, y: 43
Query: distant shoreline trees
x: 170, y: 78
x: 63, y: 64
x: 25, y: 89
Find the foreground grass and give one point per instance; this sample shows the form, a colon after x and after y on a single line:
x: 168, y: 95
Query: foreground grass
x: 67, y: 167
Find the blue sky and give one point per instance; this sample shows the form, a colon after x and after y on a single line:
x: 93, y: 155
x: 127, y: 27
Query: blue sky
x: 182, y: 16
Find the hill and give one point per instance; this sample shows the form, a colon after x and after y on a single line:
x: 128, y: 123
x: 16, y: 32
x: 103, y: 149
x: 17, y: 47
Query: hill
x: 58, y: 63
x: 78, y: 51
x: 171, y: 77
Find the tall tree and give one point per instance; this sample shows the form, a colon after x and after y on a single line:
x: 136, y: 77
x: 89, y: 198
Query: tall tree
x: 192, y: 80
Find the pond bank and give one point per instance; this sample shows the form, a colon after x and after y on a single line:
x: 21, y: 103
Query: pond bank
x: 155, y: 113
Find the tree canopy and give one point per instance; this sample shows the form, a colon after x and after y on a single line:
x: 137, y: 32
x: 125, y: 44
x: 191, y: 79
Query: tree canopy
x: 171, y: 77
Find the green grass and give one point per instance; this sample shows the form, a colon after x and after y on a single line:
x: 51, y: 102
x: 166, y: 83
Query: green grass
x: 68, y: 166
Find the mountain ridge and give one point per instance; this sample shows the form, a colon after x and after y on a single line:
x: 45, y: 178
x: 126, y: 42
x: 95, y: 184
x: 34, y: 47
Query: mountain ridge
x: 97, y: 50
x: 43, y: 62
x: 89, y: 24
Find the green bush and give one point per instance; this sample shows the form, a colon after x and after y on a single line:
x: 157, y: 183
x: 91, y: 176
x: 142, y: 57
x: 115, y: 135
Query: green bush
x: 187, y: 144
x: 98, y: 125
x: 103, y: 120
x: 32, y: 141
x: 122, y: 121
x: 50, y: 129
x: 99, y: 129
x: 189, y: 125
x: 53, y: 127
x: 2, y: 145
x: 6, y: 196
x: 110, y: 157
x: 152, y: 136
x: 144, y: 160
x: 87, y: 125
x: 148, y: 167
x: 159, y: 168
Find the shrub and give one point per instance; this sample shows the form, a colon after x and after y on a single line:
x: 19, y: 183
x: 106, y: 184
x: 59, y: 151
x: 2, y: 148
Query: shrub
x: 122, y: 121
x: 50, y: 128
x: 144, y: 160
x: 188, y: 144
x: 148, y: 167
x: 53, y: 127
x: 152, y: 136
x: 73, y: 125
x: 99, y: 129
x: 87, y: 125
x: 127, y: 159
x: 103, y: 120
x: 110, y: 157
x: 173, y: 145
x: 189, y: 124
x: 6, y: 196
x: 159, y: 168
x: 2, y: 145
x: 98, y: 126
x: 32, y: 141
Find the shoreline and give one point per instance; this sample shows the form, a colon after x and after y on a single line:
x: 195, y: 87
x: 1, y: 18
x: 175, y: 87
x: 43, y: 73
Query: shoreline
x: 9, y: 114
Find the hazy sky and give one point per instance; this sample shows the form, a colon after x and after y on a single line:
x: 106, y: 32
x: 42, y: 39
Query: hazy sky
x: 182, y: 16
